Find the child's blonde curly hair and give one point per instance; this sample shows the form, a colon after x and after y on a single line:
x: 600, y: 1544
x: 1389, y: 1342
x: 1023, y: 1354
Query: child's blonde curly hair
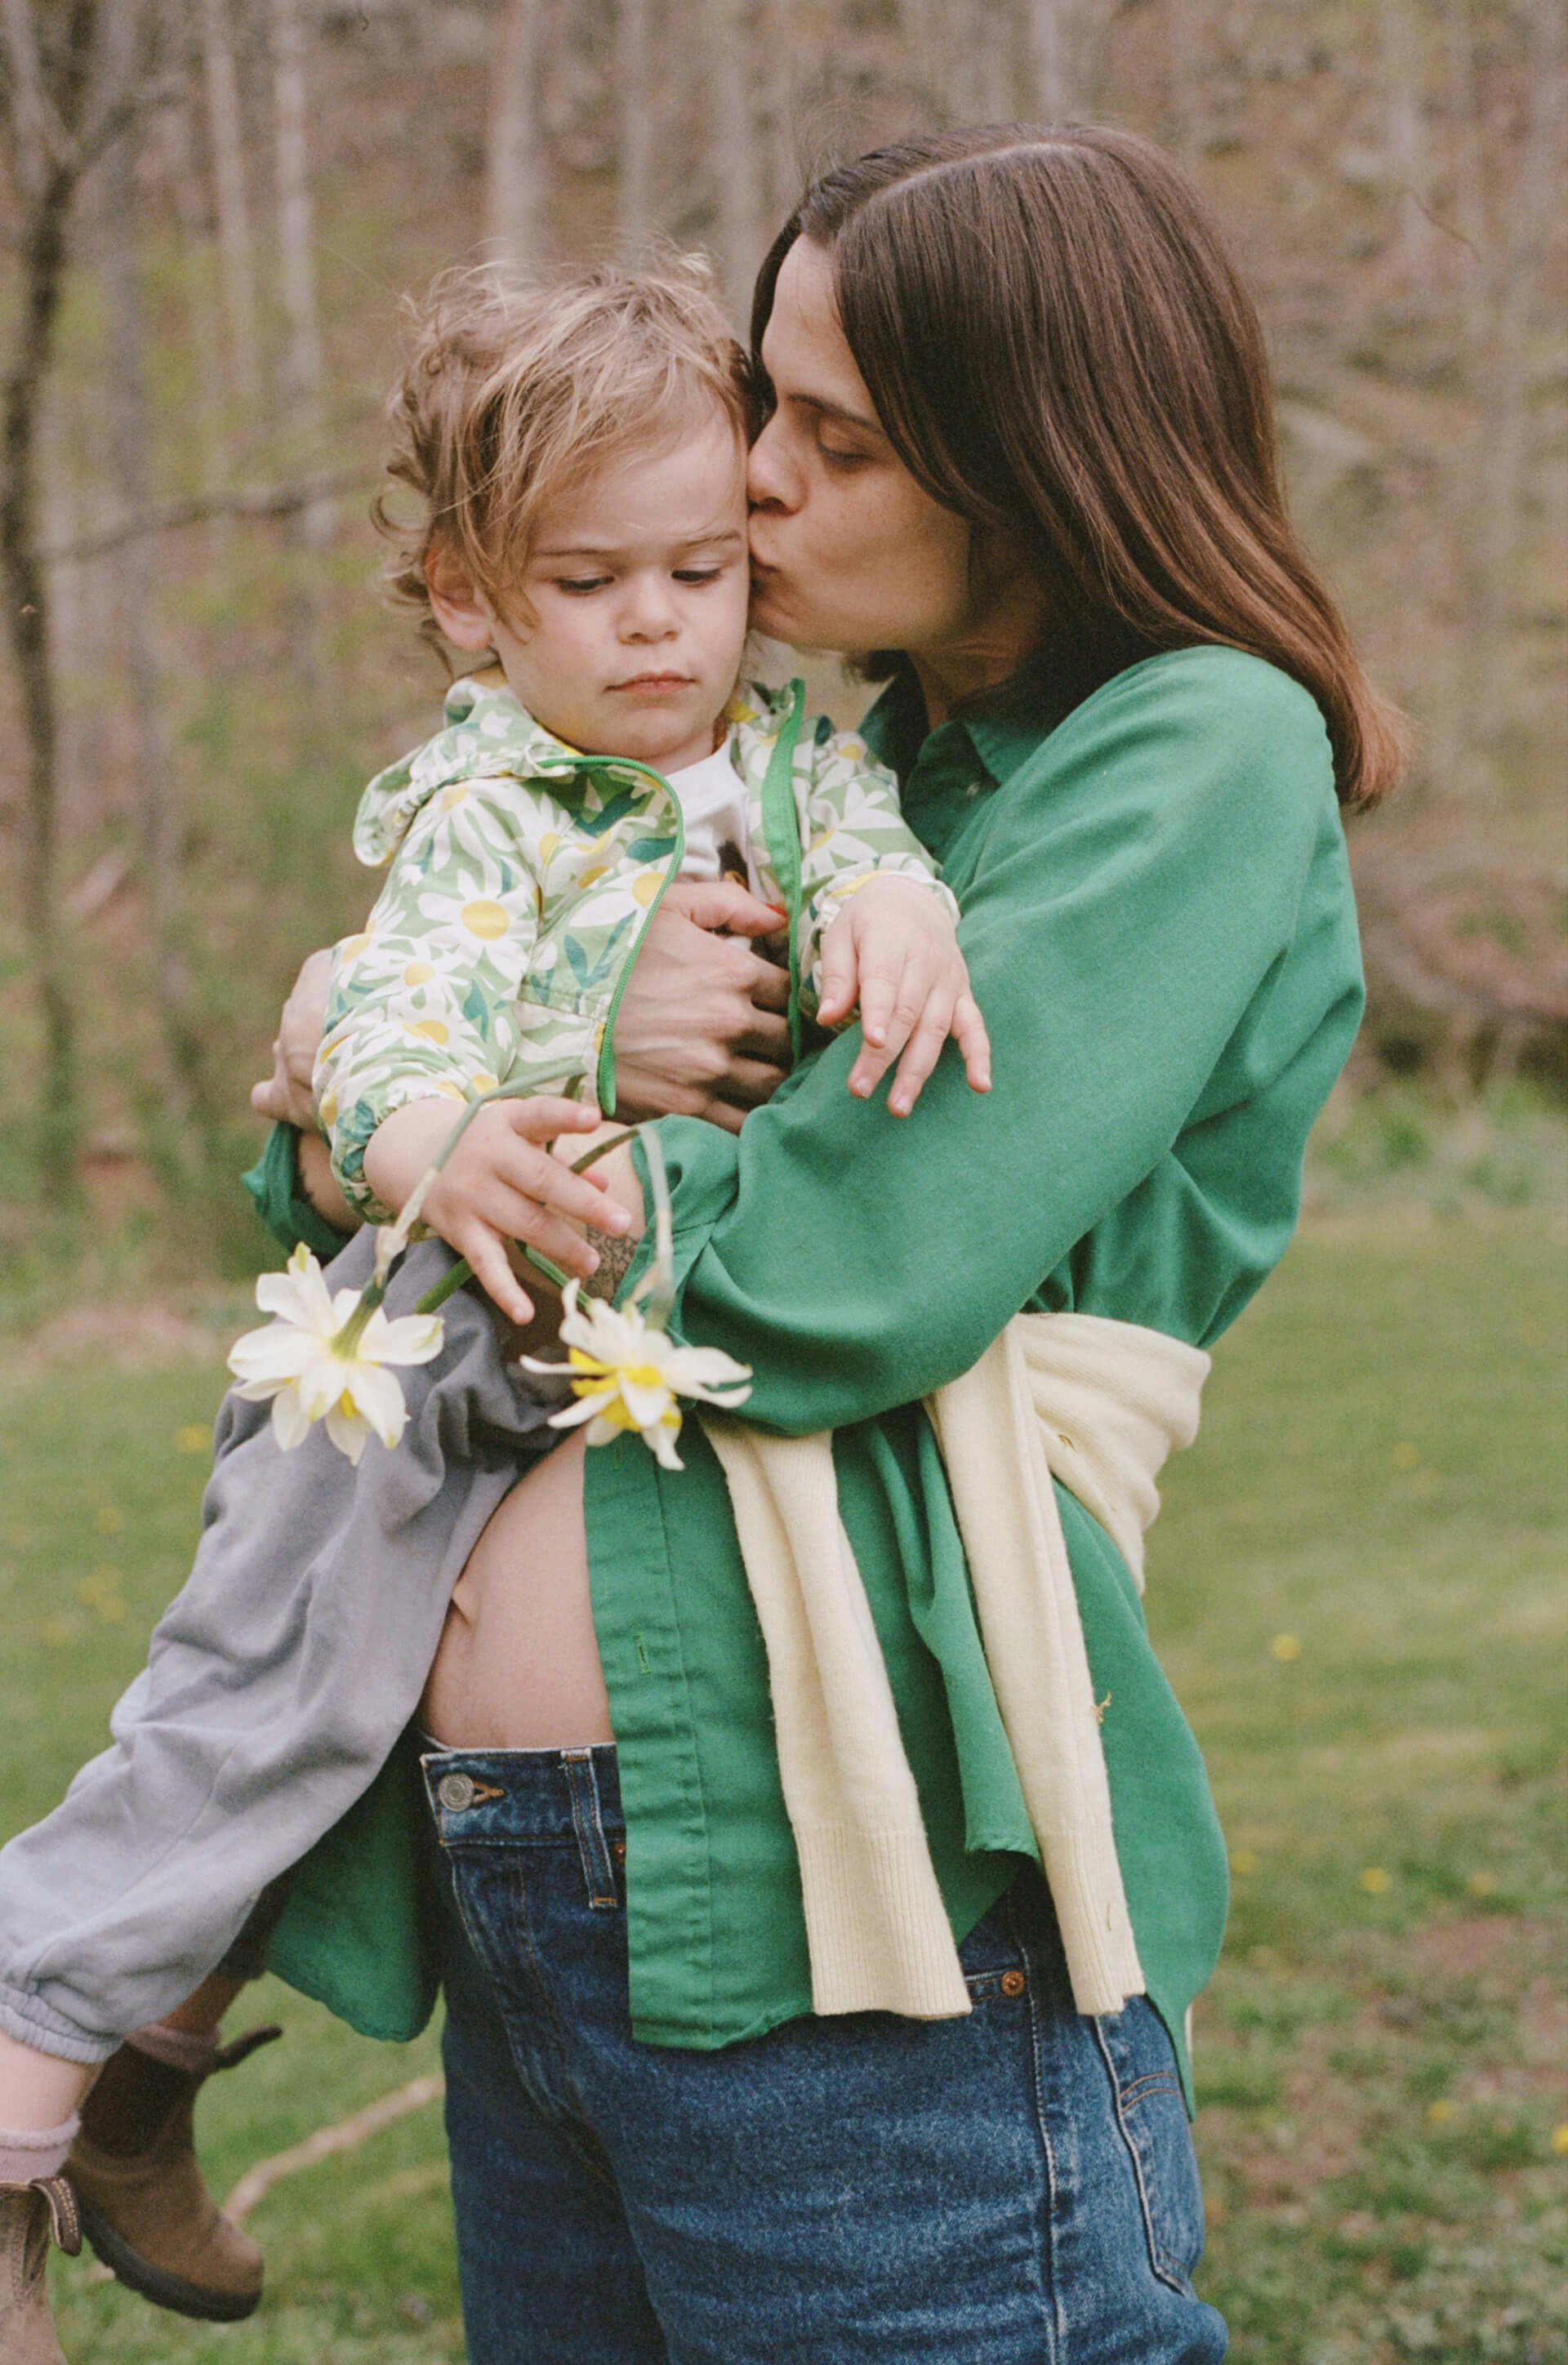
x: 516, y: 391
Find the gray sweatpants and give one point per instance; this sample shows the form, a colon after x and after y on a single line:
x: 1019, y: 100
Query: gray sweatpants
x: 276, y: 1684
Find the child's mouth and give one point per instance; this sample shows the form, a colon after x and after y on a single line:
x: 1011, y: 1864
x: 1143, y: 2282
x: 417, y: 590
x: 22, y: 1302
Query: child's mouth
x: 654, y: 685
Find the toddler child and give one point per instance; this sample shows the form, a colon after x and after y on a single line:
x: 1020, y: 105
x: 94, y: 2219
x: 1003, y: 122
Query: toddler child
x: 579, y: 452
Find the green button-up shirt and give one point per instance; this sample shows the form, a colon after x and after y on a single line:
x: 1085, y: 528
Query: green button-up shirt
x: 1158, y: 920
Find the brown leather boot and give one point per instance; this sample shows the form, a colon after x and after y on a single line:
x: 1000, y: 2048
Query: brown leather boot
x: 30, y: 2214
x: 148, y: 2213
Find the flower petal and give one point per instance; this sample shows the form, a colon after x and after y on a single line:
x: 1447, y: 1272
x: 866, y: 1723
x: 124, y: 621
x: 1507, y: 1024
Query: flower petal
x: 291, y: 1425
x: 377, y: 1396
x: 403, y: 1337
x: 272, y: 1357
x: 348, y: 1432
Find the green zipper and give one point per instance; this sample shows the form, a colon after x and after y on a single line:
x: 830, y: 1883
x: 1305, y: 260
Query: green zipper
x: 781, y: 836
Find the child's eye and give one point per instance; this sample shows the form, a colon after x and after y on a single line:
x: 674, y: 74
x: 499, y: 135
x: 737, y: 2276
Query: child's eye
x: 581, y: 583
x: 698, y: 574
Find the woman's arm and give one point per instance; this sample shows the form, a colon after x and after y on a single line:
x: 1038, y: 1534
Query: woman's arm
x: 1136, y: 885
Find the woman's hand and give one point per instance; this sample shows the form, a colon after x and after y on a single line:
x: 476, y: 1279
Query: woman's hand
x: 286, y: 1096
x: 701, y: 1029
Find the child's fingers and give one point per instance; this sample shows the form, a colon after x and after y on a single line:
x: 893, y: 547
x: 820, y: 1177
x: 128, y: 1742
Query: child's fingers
x: 519, y: 1216
x: 905, y: 999
x: 549, y: 1181
x: 931, y: 1030
x: 840, y: 981
x: 970, y: 1034
x: 493, y: 1271
x: 540, y: 1120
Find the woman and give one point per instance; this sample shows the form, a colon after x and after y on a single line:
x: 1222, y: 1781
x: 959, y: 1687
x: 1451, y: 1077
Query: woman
x: 1020, y: 443
x: 1020, y: 435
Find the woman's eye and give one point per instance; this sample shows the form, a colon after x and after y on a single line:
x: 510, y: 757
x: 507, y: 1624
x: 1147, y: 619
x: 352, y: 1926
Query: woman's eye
x: 838, y: 458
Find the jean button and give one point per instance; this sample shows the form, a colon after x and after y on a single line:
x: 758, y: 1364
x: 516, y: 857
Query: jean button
x: 1013, y: 1983
x: 455, y: 1791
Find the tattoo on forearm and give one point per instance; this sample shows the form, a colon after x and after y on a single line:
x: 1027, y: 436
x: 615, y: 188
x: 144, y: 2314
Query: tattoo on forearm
x: 615, y: 1257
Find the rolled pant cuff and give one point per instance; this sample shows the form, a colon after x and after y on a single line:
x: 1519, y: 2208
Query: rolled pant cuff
x: 31, y: 2022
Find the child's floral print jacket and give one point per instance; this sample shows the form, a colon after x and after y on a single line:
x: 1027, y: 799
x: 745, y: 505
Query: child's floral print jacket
x: 523, y: 876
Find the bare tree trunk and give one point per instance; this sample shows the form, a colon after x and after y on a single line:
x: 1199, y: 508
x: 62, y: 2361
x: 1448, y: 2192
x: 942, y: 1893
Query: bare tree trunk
x: 1184, y: 46
x: 1506, y: 383
x: 635, y: 183
x: 176, y: 1122
x: 234, y: 242
x: 1404, y: 141
x: 27, y: 605
x: 733, y: 147
x: 300, y: 376
x: 1049, y: 31
x: 780, y: 45
x: 203, y: 326
x: 514, y: 160
x: 1469, y: 188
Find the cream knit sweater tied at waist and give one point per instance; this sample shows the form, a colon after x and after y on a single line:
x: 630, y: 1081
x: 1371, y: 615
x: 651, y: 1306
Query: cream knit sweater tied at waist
x: 1095, y: 1403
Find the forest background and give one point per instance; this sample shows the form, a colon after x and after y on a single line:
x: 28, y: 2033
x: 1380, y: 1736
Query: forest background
x: 211, y: 209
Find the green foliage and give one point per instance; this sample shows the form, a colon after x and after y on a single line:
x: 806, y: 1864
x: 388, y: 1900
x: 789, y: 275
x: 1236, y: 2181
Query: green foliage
x: 1355, y: 1587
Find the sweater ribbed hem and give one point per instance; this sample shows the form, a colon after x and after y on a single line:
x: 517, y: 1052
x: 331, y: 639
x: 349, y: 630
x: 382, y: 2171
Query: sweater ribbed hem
x: 878, y: 1933
x: 1097, y: 1935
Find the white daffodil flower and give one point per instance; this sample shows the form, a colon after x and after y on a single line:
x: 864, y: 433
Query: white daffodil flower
x: 316, y: 1361
x: 626, y: 1374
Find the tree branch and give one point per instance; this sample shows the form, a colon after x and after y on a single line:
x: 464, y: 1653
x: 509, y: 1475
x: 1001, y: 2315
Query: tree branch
x: 274, y: 501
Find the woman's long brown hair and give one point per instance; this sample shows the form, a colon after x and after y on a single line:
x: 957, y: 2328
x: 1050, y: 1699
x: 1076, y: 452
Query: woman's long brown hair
x: 1061, y: 350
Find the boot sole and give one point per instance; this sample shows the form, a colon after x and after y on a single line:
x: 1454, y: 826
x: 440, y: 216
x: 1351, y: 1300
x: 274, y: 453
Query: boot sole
x: 155, y: 2283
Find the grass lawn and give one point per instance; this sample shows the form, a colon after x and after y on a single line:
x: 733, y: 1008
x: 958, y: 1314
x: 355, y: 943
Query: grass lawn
x: 1357, y: 1588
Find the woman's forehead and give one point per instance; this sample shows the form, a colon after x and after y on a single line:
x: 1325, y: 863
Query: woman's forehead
x: 805, y: 350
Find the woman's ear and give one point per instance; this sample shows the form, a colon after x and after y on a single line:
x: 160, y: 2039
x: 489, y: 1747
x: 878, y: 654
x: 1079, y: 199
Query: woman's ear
x: 459, y: 607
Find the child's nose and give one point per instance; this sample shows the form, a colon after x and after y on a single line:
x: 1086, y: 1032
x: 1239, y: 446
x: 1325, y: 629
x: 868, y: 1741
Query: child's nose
x: 649, y: 611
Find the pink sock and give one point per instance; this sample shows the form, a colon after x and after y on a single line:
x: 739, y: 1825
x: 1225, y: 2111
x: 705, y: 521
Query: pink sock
x: 27, y: 2153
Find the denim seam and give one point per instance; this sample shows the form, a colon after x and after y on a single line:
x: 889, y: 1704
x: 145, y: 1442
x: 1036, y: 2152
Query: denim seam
x: 1167, y: 2268
x: 1056, y: 2328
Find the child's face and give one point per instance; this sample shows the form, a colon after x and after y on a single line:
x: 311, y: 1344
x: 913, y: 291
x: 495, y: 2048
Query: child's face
x: 628, y: 637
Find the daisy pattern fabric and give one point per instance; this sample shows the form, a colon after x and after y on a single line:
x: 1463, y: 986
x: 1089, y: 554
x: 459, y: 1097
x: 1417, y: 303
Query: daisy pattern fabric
x: 523, y: 875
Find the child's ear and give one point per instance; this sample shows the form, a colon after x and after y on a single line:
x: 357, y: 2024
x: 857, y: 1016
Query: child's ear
x: 458, y: 606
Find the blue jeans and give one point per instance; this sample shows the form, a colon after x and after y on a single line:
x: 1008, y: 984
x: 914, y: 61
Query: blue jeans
x: 1014, y: 2188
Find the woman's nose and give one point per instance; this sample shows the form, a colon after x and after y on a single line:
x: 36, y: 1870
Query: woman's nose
x: 768, y: 482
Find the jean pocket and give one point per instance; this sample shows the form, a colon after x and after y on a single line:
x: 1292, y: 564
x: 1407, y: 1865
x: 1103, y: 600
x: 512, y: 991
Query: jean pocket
x: 1152, y: 2117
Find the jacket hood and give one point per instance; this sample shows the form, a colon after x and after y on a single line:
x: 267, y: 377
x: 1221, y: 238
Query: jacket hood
x: 486, y: 733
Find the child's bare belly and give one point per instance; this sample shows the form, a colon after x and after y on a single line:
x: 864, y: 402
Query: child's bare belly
x: 518, y: 1664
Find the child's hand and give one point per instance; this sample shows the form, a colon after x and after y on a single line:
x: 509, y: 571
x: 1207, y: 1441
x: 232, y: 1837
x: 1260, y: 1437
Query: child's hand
x: 893, y: 945
x: 500, y: 1184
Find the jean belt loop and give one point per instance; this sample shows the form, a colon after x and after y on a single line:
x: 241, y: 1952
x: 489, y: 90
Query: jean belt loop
x: 599, y: 1870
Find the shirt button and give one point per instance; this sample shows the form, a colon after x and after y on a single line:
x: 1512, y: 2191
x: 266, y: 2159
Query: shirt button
x: 455, y: 1791
x: 1013, y: 1983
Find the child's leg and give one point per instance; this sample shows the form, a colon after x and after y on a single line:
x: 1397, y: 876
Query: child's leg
x: 276, y: 1684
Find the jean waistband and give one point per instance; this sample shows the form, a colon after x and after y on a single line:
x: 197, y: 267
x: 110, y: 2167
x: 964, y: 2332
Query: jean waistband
x: 519, y: 1798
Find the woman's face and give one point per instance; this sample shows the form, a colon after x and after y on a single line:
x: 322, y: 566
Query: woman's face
x: 849, y: 552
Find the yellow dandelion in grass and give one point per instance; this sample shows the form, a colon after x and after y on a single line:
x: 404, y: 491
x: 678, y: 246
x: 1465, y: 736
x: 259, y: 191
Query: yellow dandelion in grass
x: 1284, y: 1647
x: 1439, y: 2113
x: 191, y: 1437
x: 1244, y: 1862
x: 1480, y: 1884
x: 1560, y: 2137
x: 1374, y: 1880
x: 55, y: 1633
x: 1405, y: 1456
x: 99, y: 1591
x: 107, y: 1520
